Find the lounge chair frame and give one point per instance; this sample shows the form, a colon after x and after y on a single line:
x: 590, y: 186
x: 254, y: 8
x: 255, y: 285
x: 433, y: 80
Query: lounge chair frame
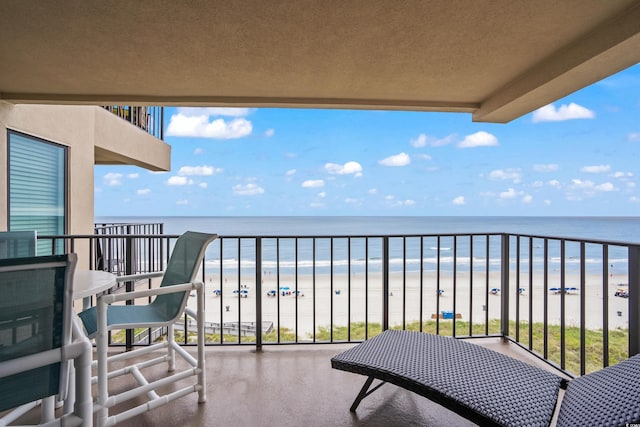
x: 490, y: 388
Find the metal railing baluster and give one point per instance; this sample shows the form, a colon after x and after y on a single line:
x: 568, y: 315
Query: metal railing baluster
x: 385, y: 283
x: 605, y: 307
x: 504, y: 286
x: 455, y: 284
x: 130, y: 248
x: 634, y: 299
x: 258, y: 274
x: 583, y: 292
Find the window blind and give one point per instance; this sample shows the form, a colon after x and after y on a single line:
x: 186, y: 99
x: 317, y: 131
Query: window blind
x: 37, y: 187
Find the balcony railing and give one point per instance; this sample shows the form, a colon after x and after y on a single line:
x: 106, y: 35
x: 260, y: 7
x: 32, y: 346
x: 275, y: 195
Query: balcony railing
x: 149, y: 119
x: 573, y: 303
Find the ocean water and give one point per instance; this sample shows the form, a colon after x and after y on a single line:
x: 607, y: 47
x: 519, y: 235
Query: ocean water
x: 407, y: 251
x: 623, y: 229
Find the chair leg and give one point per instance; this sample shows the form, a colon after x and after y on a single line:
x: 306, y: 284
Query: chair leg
x: 81, y: 399
x: 364, y: 392
x: 171, y: 352
x: 48, y: 408
x: 101, y: 350
x: 202, y: 380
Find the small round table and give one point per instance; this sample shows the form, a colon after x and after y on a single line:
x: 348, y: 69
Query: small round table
x: 87, y: 283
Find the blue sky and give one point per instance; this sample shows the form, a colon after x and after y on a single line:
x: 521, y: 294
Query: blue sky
x: 577, y: 156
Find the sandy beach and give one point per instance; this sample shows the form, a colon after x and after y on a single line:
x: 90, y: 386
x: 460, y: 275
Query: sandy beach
x: 343, y: 298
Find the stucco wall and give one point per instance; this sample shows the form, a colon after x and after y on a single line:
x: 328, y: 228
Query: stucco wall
x: 117, y: 142
x: 81, y: 128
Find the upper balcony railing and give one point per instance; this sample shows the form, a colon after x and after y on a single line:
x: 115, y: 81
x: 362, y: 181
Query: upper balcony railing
x: 149, y: 119
x: 572, y: 302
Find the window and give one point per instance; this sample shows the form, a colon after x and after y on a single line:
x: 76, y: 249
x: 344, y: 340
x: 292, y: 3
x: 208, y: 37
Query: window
x: 37, y: 184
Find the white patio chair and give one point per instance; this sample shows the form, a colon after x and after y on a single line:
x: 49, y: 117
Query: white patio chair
x: 17, y: 244
x: 39, y: 338
x: 167, y: 307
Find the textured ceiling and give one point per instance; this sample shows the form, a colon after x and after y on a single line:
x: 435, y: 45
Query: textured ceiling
x: 497, y: 59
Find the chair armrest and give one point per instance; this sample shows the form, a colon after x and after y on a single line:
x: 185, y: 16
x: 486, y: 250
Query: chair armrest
x: 111, y: 298
x: 140, y: 276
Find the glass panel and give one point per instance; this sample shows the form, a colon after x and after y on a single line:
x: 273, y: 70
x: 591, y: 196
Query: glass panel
x: 37, y: 171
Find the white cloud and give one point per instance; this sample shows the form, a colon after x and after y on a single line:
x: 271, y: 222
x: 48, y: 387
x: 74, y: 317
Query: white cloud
x: 479, y: 139
x: 511, y: 174
x: 182, y: 202
x: 425, y: 156
x: 201, y: 127
x: 316, y: 205
x: 408, y: 202
x: 389, y: 197
x: 620, y: 175
x: 112, y: 179
x: 143, y: 191
x: 605, y: 187
x: 351, y: 200
x: 322, y: 194
x: 373, y: 191
x: 179, y: 180
x: 420, y: 141
x: 634, y: 137
x: 554, y: 183
x: 634, y: 199
x: 269, y: 133
x: 588, y: 188
x: 401, y: 159
x: 549, y: 113
x: 347, y: 168
x: 291, y: 172
x: 214, y: 111
x: 198, y: 151
x: 546, y: 168
x: 527, y: 198
x: 459, y: 201
x: 198, y: 170
x: 547, y: 202
x: 423, y: 140
x: 580, y: 184
x: 313, y: 183
x: 203, y: 185
x: 537, y: 184
x: 133, y: 176
x: 249, y: 189
x: 509, y: 194
x: 596, y: 169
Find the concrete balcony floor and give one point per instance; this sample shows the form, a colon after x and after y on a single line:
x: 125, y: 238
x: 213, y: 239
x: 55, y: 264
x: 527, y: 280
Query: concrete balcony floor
x: 294, y: 385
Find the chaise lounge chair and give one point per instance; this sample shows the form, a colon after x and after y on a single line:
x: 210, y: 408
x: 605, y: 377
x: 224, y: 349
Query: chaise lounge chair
x: 490, y: 388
